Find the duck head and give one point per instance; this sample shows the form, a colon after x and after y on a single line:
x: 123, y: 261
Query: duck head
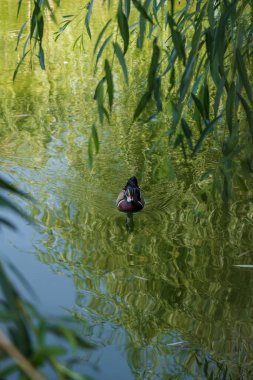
x: 132, y: 191
x: 129, y: 195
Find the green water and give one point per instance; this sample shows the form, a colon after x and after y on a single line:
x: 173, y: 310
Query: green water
x: 166, y: 300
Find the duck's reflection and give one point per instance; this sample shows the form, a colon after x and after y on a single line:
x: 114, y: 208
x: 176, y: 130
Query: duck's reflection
x: 130, y: 222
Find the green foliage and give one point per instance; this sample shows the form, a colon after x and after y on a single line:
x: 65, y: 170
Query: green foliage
x: 93, y: 143
x: 202, y: 52
x: 88, y: 16
x: 24, y: 347
x: 24, y: 332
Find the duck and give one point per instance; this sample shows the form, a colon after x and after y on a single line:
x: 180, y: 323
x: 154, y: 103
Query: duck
x: 130, y: 198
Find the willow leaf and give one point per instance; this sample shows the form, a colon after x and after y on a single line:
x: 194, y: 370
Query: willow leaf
x: 172, y: 78
x: 230, y: 103
x: 95, y: 137
x: 127, y: 7
x: 106, y: 113
x: 243, y: 74
x: 9, y: 187
x: 218, y: 95
x: 187, y: 77
x: 249, y: 113
x: 88, y: 16
x: 208, y: 129
x: 176, y: 115
x: 102, y: 49
x: 40, y: 26
x: 191, y: 64
x: 76, y: 41
x: 90, y: 152
x: 19, y: 6
x: 187, y: 132
x: 123, y: 26
x: 155, y: 9
x: 172, y: 6
x: 219, y: 45
x: 100, y: 36
x: 157, y: 94
x: 41, y: 58
x: 99, y: 97
x: 109, y: 80
x: 142, y: 10
x: 142, y: 104
x: 177, y: 39
x: 121, y: 60
x: 18, y: 65
x: 180, y: 141
x: 20, y: 33
x: 171, y: 61
x: 7, y: 223
x: 5, y: 202
x: 198, y: 104
x: 197, y: 119
x: 35, y: 15
x: 206, y: 100
x: 210, y: 14
x: 153, y: 65
x: 142, y: 28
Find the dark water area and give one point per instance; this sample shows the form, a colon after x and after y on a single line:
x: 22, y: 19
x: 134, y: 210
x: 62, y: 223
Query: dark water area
x: 165, y: 301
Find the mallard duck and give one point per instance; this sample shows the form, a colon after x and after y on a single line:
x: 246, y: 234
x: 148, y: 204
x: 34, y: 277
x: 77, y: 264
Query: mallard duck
x: 130, y: 198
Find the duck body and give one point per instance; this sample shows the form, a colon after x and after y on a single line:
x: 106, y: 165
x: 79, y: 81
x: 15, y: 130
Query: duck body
x: 130, y: 199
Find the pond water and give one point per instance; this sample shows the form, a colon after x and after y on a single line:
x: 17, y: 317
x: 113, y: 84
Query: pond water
x: 164, y: 301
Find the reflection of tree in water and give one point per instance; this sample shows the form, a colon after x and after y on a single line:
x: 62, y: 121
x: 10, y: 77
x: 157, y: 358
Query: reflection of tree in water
x: 172, y: 273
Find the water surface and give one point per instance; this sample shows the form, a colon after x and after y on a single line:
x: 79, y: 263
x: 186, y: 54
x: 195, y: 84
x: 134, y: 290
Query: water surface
x: 162, y: 302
